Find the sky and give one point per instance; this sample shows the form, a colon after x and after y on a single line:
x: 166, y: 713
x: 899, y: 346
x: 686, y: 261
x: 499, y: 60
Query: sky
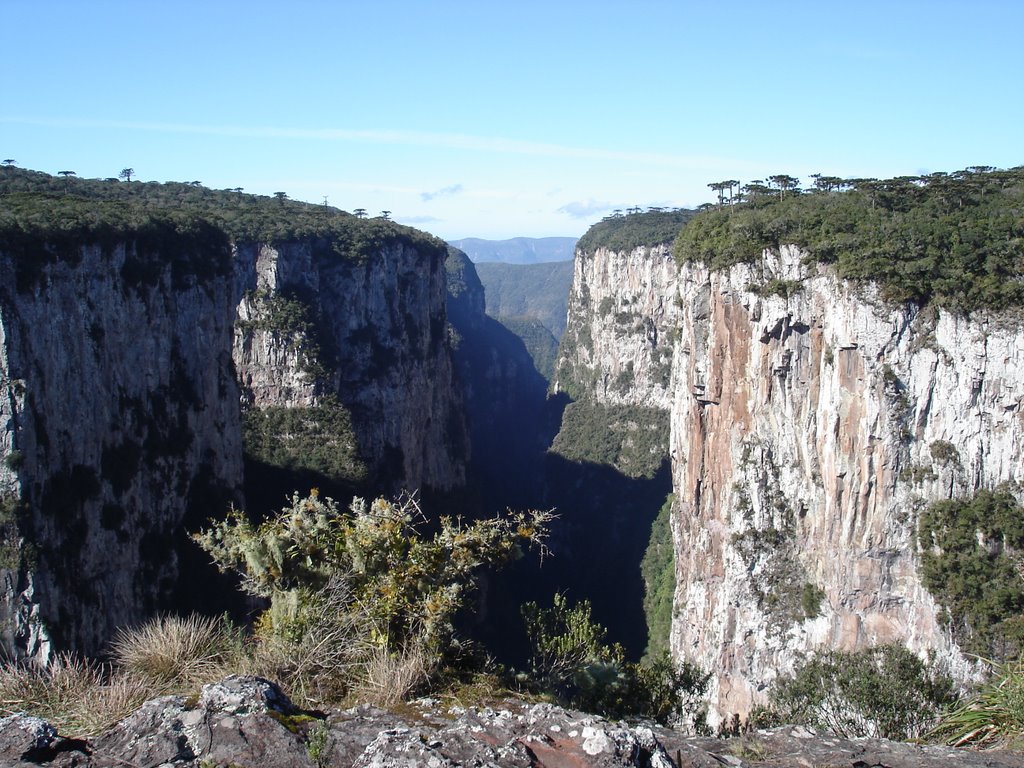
x: 497, y: 120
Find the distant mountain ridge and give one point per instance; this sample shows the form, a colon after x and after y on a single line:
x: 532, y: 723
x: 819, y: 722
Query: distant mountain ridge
x: 518, y: 250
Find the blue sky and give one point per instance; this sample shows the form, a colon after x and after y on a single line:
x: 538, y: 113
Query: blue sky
x: 478, y: 119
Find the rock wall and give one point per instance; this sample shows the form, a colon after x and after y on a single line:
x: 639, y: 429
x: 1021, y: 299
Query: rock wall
x: 374, y: 337
x: 120, y: 414
x: 622, y: 325
x: 806, y: 434
x: 124, y: 372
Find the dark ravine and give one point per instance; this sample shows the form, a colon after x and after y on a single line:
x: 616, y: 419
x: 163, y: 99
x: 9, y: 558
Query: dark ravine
x: 249, y: 722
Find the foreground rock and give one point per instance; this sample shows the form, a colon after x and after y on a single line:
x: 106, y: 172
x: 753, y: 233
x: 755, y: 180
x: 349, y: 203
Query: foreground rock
x: 246, y: 722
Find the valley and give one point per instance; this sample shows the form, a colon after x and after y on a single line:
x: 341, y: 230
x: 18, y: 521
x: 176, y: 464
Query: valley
x: 747, y: 420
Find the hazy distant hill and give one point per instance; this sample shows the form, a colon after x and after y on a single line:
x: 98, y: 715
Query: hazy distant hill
x: 534, y: 291
x: 518, y: 250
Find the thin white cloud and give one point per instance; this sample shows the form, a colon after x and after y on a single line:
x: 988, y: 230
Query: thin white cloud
x: 457, y: 141
x: 454, y: 189
x: 583, y: 209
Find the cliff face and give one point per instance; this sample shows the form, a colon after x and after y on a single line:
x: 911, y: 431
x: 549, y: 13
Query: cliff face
x: 623, y: 321
x: 806, y: 434
x: 372, y: 334
x: 119, y: 414
x: 125, y: 374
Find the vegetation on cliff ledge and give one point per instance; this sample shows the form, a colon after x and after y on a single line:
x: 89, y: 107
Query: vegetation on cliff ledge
x: 624, y: 232
x: 956, y: 239
x: 38, y: 208
x: 971, y: 563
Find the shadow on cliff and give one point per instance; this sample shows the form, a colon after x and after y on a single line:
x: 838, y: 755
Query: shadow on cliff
x: 597, y: 544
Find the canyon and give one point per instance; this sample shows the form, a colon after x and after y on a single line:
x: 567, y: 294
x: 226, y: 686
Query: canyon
x: 793, y: 425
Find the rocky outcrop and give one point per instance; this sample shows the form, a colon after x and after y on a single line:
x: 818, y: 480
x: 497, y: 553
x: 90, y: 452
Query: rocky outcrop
x: 806, y: 433
x: 248, y: 721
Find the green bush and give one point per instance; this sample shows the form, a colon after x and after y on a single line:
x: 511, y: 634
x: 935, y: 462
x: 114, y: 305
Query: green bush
x: 969, y: 561
x: 881, y: 692
x: 624, y: 233
x: 47, y: 219
x: 572, y: 660
x: 632, y: 438
x: 373, y: 567
x: 658, y: 569
x: 319, y: 439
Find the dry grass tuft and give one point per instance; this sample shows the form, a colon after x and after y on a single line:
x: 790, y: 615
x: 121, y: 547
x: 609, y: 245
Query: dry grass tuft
x: 78, y: 697
x: 389, y: 677
x: 178, y: 654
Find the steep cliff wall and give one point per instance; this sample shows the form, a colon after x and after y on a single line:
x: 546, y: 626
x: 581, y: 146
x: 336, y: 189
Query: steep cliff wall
x: 129, y: 371
x: 370, y: 333
x: 807, y: 432
x: 120, y: 419
x: 623, y: 321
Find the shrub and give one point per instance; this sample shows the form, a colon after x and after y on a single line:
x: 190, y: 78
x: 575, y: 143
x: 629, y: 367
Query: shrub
x: 571, y: 659
x: 658, y: 569
x: 969, y: 555
x: 624, y: 233
x: 881, y: 692
x: 347, y: 586
x: 319, y: 439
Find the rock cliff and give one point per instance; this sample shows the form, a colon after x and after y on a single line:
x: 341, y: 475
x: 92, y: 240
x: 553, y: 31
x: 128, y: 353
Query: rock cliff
x: 370, y: 333
x: 619, y: 343
x: 130, y: 375
x: 807, y: 432
x: 120, y: 419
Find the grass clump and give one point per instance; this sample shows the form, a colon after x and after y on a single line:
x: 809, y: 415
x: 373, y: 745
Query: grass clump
x: 176, y: 653
x: 993, y: 717
x: 79, y: 697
